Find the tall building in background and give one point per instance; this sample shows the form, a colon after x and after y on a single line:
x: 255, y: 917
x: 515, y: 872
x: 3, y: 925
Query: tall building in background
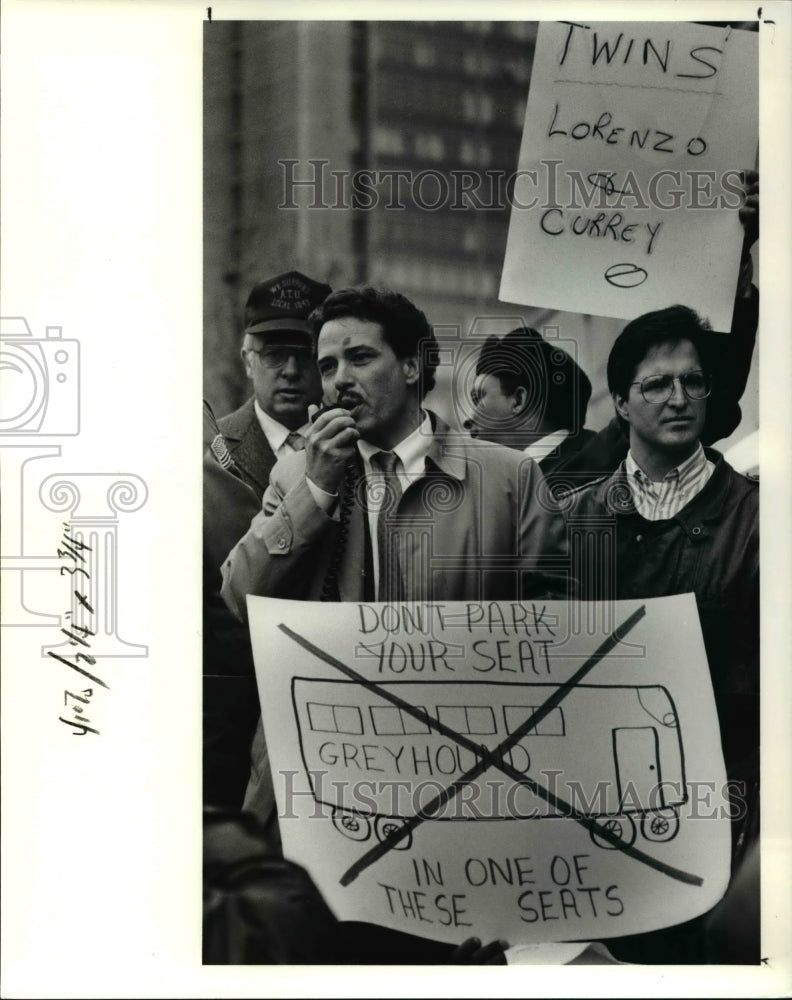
x: 416, y: 103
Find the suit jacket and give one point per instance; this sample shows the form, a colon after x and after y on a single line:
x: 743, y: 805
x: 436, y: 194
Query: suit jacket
x: 230, y: 701
x: 248, y: 446
x: 478, y: 525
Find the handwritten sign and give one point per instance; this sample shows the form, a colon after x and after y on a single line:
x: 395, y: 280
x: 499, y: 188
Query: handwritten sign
x: 463, y: 768
x: 629, y: 169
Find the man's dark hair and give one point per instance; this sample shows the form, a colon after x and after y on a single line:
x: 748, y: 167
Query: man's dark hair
x: 556, y: 385
x: 405, y: 328
x: 641, y: 335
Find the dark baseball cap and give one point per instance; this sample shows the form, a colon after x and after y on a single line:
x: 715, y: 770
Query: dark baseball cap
x: 283, y: 303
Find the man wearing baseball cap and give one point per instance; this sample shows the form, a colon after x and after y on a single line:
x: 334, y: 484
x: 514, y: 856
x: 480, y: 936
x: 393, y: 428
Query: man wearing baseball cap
x: 277, y: 351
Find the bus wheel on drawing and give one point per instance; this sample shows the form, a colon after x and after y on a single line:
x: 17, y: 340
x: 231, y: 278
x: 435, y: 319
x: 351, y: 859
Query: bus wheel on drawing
x: 661, y: 825
x: 351, y: 825
x: 620, y: 826
x: 385, y: 826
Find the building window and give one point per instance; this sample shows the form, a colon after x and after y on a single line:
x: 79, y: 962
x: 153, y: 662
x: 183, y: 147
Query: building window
x: 519, y: 69
x: 475, y: 153
x: 388, y: 140
x: 429, y: 146
x: 477, y: 107
x: 487, y: 284
x: 470, y: 240
x: 479, y: 27
x: 470, y: 63
x: 424, y: 55
x: 521, y: 30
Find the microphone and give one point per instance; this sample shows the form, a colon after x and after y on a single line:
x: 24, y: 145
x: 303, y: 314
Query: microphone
x: 347, y: 405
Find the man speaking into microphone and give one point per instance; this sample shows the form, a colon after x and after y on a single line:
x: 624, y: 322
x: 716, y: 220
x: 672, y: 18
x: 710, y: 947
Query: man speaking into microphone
x: 386, y: 502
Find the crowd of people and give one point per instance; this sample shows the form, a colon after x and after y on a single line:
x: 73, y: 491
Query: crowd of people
x: 314, y: 489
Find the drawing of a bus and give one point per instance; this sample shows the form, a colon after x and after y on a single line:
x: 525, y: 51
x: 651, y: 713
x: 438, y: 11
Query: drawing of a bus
x: 616, y: 750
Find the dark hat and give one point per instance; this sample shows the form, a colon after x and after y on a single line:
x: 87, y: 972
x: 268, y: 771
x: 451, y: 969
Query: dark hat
x: 283, y: 303
x: 542, y: 366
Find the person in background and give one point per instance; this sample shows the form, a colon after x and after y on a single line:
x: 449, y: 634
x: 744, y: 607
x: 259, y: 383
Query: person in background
x: 731, y: 364
x: 531, y: 395
x: 682, y: 520
x: 230, y: 699
x: 340, y: 520
x: 277, y: 351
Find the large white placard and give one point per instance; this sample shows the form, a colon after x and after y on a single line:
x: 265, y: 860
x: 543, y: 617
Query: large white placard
x: 629, y: 170
x: 495, y: 769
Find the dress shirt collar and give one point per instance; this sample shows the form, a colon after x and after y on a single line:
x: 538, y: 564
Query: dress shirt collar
x: 411, y: 452
x: 658, y: 501
x: 275, y: 432
x: 685, y: 473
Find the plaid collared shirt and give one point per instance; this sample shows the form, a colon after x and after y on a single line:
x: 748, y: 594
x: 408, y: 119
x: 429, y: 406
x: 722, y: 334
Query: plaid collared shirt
x: 663, y: 500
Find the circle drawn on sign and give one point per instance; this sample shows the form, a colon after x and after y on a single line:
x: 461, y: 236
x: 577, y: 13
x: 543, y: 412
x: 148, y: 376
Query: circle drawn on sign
x: 620, y: 826
x: 625, y: 275
x: 660, y: 826
x: 351, y: 825
x: 385, y: 826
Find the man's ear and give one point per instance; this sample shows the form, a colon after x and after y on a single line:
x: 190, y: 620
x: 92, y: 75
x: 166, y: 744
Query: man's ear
x: 411, y: 369
x: 519, y: 400
x: 245, y: 355
x: 620, y: 402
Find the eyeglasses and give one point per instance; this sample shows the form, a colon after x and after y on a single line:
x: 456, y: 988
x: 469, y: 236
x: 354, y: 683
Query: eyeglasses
x: 278, y: 357
x: 659, y: 388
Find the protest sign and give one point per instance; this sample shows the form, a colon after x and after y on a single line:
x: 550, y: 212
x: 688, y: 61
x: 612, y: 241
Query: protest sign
x: 489, y: 769
x: 629, y: 171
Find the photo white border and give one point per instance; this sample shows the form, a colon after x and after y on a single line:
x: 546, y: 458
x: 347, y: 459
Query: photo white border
x: 102, y: 231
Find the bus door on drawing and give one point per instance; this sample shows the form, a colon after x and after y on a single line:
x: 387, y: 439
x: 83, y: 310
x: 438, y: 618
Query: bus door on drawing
x: 612, y: 752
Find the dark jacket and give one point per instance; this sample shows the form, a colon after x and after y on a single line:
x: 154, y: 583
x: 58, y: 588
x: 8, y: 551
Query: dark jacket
x: 565, y: 453
x: 230, y: 699
x: 248, y: 446
x: 710, y: 548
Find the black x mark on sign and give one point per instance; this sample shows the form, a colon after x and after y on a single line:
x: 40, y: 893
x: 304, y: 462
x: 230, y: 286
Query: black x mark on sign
x: 494, y: 758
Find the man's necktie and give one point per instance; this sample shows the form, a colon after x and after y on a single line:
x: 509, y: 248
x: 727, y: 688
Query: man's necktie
x: 389, y: 587
x: 296, y: 441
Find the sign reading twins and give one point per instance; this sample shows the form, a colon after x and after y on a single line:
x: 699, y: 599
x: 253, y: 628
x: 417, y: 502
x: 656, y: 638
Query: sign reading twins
x: 629, y: 170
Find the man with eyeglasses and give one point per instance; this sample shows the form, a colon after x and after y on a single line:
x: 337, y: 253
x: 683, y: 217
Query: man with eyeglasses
x: 731, y: 360
x: 279, y: 360
x: 683, y: 520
